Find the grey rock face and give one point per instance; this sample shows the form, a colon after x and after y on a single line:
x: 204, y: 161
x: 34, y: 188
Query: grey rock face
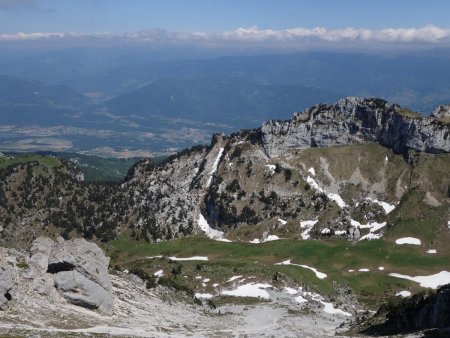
x: 419, y: 312
x: 80, y: 271
x: 355, y: 120
x: 441, y: 112
x: 82, y: 291
x: 7, y: 275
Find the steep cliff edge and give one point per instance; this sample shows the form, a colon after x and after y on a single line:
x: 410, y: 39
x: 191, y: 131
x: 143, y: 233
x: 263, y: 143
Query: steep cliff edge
x: 358, y: 120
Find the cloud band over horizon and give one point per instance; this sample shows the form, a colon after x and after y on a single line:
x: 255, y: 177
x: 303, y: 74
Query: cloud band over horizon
x: 428, y: 35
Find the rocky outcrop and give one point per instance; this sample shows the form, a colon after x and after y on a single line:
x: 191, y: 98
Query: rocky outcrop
x: 74, y: 270
x: 7, y: 275
x: 356, y: 120
x: 80, y: 271
x: 417, y: 313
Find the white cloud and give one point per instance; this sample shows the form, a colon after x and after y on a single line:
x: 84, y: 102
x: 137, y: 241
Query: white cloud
x: 292, y: 37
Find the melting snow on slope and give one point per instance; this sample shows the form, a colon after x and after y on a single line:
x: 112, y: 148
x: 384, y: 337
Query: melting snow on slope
x: 210, y: 232
x: 203, y: 295
x: 214, y: 168
x: 403, y: 294
x: 271, y: 168
x: 233, y: 278
x: 256, y: 290
x: 282, y: 221
x: 159, y: 273
x: 329, y: 308
x: 307, y: 225
x: 386, y: 206
x: 432, y: 281
x: 408, y: 240
x: 373, y: 226
x: 290, y: 291
x: 370, y: 236
x: 268, y: 239
x: 300, y: 299
x: 193, y: 258
x: 332, y: 196
x: 319, y: 274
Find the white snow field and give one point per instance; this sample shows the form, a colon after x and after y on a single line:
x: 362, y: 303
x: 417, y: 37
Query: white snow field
x: 431, y: 281
x: 403, y: 294
x: 193, y: 258
x: 214, y: 168
x: 319, y: 274
x: 210, y: 232
x: 256, y: 290
x: 307, y: 226
x: 408, y: 240
x: 332, y: 196
x: 386, y: 206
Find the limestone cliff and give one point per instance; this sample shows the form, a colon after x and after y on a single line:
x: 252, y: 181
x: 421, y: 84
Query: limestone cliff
x: 358, y: 120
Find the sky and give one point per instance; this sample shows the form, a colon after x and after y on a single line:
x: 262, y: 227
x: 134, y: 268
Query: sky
x: 395, y: 21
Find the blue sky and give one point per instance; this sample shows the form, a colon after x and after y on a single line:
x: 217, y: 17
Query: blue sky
x: 115, y: 16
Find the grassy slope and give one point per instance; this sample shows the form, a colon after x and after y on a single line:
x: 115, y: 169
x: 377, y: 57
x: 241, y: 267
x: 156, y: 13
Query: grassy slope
x: 334, y: 257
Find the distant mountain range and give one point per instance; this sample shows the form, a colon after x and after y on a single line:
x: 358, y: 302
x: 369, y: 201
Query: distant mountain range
x: 143, y: 104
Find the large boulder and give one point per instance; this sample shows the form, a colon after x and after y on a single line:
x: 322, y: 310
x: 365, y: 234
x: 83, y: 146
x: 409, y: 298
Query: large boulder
x: 80, y: 271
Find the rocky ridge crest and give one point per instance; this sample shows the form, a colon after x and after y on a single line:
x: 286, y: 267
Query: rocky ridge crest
x: 358, y: 120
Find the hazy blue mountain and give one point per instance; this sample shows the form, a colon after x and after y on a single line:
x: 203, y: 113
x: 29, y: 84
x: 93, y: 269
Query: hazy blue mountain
x: 26, y: 101
x: 235, y: 101
x: 419, y: 81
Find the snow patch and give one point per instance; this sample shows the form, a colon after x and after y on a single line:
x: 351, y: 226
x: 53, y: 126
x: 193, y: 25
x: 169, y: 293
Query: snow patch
x: 203, y: 295
x: 271, y: 238
x: 363, y: 270
x: 307, y: 225
x: 233, y: 278
x: 370, y: 236
x: 312, y: 171
x: 319, y: 274
x: 210, y: 232
x: 408, y: 240
x: 332, y: 196
x: 300, y: 299
x: 432, y: 281
x: 403, y: 294
x: 214, y: 168
x: 193, y: 258
x: 255, y: 290
x: 159, y: 273
x: 386, y: 206
x: 268, y: 239
x: 381, y: 268
x: 290, y: 291
x: 271, y: 168
x: 432, y: 251
x: 282, y: 221
x: 329, y: 308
